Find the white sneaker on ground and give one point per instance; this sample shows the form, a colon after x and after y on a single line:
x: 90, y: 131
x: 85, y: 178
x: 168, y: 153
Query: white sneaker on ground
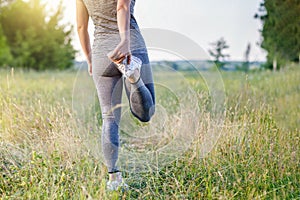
x: 116, y: 183
x: 129, y: 70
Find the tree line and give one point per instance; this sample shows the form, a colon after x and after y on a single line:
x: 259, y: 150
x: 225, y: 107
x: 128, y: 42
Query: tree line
x: 31, y: 38
x: 281, y: 31
x: 280, y: 34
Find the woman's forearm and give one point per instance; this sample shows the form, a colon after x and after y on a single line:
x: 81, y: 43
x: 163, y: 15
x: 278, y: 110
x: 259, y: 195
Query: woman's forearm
x: 123, y: 18
x: 85, y: 43
x: 82, y: 19
x: 122, y: 51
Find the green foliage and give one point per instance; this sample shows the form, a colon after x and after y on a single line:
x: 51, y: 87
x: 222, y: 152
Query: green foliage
x: 281, y: 30
x: 36, y: 40
x: 5, y: 55
x: 217, y: 51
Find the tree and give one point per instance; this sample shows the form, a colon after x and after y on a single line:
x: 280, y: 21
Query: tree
x: 247, y: 57
x: 5, y: 55
x: 281, y: 30
x: 36, y: 40
x: 217, y: 51
x: 247, y: 52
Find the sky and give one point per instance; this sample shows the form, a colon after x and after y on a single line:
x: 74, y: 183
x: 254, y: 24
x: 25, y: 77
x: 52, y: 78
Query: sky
x: 202, y: 21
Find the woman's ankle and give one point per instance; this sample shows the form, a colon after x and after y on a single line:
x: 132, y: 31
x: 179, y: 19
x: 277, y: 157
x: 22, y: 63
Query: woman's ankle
x: 113, y: 176
x: 135, y: 77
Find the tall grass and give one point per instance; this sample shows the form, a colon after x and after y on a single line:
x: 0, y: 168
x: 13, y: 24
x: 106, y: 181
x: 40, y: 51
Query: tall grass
x: 257, y: 155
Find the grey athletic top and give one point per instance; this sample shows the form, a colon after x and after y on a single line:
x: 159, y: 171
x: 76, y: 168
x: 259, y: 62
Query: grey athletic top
x: 106, y: 36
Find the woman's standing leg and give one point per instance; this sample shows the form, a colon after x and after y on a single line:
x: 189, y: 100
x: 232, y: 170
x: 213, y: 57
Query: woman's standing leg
x: 109, y: 88
x: 141, y: 94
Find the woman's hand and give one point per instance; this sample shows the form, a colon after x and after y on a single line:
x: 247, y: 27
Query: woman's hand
x: 90, y: 68
x: 121, y: 52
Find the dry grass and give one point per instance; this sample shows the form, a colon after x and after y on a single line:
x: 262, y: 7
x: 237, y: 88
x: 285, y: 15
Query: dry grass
x: 47, y: 154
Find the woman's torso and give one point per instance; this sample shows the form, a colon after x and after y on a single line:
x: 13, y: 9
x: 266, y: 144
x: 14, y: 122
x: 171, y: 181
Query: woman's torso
x: 106, y: 34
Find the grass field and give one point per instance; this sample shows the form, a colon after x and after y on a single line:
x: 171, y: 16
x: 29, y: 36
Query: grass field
x: 257, y: 155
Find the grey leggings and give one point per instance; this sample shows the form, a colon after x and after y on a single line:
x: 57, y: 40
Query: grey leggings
x: 109, y: 84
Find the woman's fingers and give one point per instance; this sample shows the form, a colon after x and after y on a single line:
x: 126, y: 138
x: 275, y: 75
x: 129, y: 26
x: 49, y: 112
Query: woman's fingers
x: 111, y: 55
x: 114, y: 55
x: 120, y: 53
x: 120, y: 60
x: 117, y: 56
x: 90, y: 70
x: 128, y: 59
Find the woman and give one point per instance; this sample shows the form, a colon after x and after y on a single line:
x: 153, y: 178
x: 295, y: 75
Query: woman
x: 118, y: 51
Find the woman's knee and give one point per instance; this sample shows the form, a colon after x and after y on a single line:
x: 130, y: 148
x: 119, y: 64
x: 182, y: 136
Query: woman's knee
x: 146, y: 116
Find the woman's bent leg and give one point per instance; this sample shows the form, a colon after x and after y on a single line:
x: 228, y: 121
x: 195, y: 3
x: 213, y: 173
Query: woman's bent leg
x: 141, y: 94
